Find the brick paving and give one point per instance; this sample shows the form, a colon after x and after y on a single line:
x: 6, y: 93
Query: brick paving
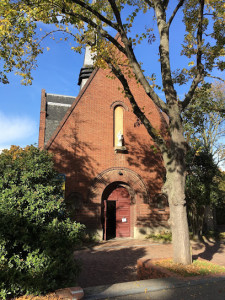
x: 115, y: 261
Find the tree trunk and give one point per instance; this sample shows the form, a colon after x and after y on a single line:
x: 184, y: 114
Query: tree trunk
x: 210, y: 218
x: 175, y: 188
x: 180, y: 236
x: 195, y: 217
x: 178, y: 219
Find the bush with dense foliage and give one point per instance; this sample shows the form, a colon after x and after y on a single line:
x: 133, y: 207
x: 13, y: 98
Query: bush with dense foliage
x: 36, y: 237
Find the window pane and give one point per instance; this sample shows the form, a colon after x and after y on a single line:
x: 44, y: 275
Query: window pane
x: 118, y: 123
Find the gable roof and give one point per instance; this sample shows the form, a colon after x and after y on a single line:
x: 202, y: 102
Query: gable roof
x: 56, y: 108
x: 57, y: 127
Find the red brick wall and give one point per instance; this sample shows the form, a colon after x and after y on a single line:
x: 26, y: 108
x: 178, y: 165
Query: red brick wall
x: 83, y: 149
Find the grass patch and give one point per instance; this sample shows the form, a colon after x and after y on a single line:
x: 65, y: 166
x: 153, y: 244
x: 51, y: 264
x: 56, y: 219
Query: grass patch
x: 51, y: 296
x: 197, y: 268
x: 165, y: 237
x: 222, y: 235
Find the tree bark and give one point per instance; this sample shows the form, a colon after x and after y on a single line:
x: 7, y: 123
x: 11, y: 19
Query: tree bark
x: 180, y: 232
x: 178, y: 215
x: 175, y: 187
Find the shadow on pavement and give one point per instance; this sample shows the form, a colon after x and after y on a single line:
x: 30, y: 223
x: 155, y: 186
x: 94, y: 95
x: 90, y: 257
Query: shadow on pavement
x: 108, y: 266
x: 209, y: 249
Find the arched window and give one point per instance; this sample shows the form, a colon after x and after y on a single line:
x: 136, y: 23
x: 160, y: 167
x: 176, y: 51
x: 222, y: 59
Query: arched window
x: 118, y: 126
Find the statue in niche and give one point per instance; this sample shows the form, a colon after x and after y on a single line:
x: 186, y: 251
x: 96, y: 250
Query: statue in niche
x: 120, y: 139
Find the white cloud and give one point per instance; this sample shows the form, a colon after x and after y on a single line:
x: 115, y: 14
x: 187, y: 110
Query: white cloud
x: 16, y: 130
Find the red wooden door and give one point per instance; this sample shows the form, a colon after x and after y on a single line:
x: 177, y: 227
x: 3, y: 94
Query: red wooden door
x: 122, y: 198
x: 123, y: 213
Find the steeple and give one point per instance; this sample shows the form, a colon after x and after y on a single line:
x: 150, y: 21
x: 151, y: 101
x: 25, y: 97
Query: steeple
x: 87, y: 68
x: 88, y: 65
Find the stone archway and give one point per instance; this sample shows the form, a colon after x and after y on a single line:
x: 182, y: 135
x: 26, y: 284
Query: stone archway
x: 123, y: 177
x: 129, y: 177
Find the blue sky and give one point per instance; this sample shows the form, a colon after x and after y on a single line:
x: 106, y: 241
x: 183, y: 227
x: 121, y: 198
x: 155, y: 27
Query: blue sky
x: 57, y: 72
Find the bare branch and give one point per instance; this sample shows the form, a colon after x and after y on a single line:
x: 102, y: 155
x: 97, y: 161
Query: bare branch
x: 199, y: 36
x: 149, y: 3
x: 112, y: 40
x: 191, y: 91
x: 137, y: 111
x: 163, y: 28
x: 102, y: 31
x: 128, y: 51
x: 133, y: 62
x: 215, y: 77
x: 165, y: 3
x: 95, y: 13
x: 200, y: 67
x: 117, y: 15
x: 140, y: 76
x: 221, y: 110
x: 54, y: 31
x: 175, y: 12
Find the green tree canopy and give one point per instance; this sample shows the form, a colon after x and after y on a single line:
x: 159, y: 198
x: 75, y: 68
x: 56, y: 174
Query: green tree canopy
x: 204, y: 130
x: 202, y: 188
x: 204, y: 120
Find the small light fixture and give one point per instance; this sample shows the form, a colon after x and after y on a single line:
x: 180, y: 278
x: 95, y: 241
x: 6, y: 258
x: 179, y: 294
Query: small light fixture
x: 120, y: 173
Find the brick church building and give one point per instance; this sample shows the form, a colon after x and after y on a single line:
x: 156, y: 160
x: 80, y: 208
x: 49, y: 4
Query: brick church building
x: 113, y: 173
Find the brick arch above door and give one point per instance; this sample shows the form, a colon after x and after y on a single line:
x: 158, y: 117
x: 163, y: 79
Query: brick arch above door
x: 116, y: 174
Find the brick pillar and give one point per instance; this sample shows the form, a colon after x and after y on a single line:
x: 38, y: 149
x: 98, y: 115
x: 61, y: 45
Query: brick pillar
x: 41, y: 140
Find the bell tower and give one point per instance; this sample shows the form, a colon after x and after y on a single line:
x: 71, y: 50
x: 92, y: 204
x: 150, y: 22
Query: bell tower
x: 88, y: 65
x: 87, y: 68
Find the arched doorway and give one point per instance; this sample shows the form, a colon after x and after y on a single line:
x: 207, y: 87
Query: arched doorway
x: 116, y: 219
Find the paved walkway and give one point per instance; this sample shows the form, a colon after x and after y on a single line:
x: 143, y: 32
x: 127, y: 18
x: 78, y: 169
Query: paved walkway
x: 115, y: 261
x: 161, y: 289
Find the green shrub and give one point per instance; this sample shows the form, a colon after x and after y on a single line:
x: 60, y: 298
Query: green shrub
x: 37, y: 239
x: 160, y: 237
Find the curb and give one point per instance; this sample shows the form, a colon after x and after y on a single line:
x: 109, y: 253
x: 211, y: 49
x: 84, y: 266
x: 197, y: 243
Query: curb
x: 143, y: 286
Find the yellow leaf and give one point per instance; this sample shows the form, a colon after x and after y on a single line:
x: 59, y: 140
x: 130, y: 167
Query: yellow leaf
x: 191, y: 63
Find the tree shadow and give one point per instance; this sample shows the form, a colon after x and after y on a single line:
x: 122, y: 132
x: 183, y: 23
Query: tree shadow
x: 103, y: 267
x: 210, y: 248
x: 74, y: 159
x: 108, y: 266
x: 144, y: 156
